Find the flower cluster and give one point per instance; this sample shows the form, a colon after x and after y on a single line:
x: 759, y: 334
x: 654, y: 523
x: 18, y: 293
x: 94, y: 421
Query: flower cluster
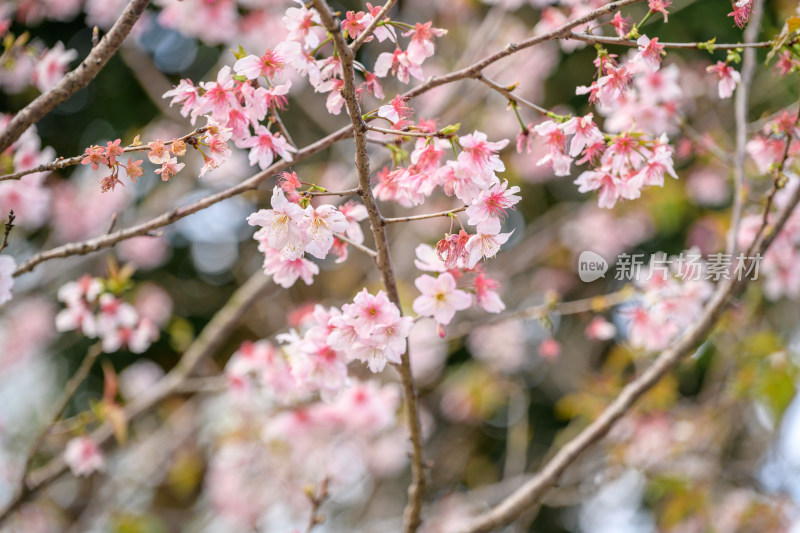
x: 34, y: 65
x: 668, y: 304
x: 289, y: 231
x: 96, y: 312
x: 28, y: 197
x: 768, y: 146
x: 314, y: 359
x: 780, y: 265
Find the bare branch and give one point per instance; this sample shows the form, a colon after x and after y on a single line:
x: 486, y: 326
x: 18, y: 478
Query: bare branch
x: 599, y: 39
x: 505, y: 91
x: 78, y: 78
x: 425, y: 217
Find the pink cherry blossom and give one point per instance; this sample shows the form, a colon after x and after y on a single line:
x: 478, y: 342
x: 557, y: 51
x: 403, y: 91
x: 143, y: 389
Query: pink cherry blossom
x: 169, y: 169
x: 95, y: 156
x: 83, y: 456
x: 486, y: 294
x: 281, y: 226
x: 268, y: 65
x: 600, y: 329
x: 727, y: 78
x: 741, y: 12
x: 396, y: 110
x: 285, y: 272
x: 400, y: 65
x: 486, y: 243
x: 584, y: 133
x: 187, y: 94
x: 421, y: 45
x: 550, y: 349
x: 649, y: 52
x: 493, y: 203
x: 440, y: 298
x: 320, y: 224
x: 52, y: 66
x: 265, y: 145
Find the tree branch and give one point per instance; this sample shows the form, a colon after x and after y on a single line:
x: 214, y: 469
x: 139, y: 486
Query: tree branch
x: 425, y: 217
x: 412, y: 518
x: 599, y: 39
x: 740, y: 113
x: 355, y: 45
x: 78, y: 78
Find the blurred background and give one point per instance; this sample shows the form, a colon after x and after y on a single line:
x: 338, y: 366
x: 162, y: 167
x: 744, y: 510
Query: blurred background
x: 714, y: 447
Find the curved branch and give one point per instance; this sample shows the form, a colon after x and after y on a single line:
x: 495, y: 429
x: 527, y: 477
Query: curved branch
x: 78, y: 78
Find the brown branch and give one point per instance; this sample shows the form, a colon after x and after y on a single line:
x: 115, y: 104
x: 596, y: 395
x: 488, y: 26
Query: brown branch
x: 317, y: 498
x: 561, y: 32
x: 9, y: 225
x: 357, y: 245
x: 584, y: 305
x: 740, y: 114
x: 347, y: 192
x: 512, y: 99
x: 76, y: 79
x: 599, y: 39
x: 425, y: 217
x: 206, y: 345
x: 412, y: 518
x: 408, y: 133
x: 60, y: 163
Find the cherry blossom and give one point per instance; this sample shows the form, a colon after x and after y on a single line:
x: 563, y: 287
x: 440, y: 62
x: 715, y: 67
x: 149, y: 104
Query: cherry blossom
x: 169, y: 169
x: 281, y: 226
x: 265, y: 145
x: 649, y: 52
x: 486, y: 243
x: 83, y: 456
x: 320, y: 224
x: 268, y: 65
x: 52, y: 66
x: 440, y: 298
x: 486, y: 294
x: 284, y: 271
x: 421, y: 45
x: 493, y: 203
x: 727, y: 78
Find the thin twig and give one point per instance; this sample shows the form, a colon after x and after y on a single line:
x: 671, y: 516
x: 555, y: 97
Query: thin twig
x: 347, y: 192
x: 512, y: 98
x: 425, y: 217
x: 584, y: 305
x: 408, y: 133
x: 412, y: 518
x: 76, y: 79
x: 599, y: 39
x: 317, y: 499
x: 357, y: 245
x: 74, y: 160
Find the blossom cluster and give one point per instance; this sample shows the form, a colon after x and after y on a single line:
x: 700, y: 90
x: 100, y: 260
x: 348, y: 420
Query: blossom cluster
x: 667, y: 305
x: 314, y: 359
x: 96, y: 312
x: 289, y: 231
x: 33, y: 64
x: 639, y: 99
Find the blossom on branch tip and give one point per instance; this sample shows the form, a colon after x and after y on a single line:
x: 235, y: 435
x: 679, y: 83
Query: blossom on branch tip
x: 486, y: 243
x: 95, y: 156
